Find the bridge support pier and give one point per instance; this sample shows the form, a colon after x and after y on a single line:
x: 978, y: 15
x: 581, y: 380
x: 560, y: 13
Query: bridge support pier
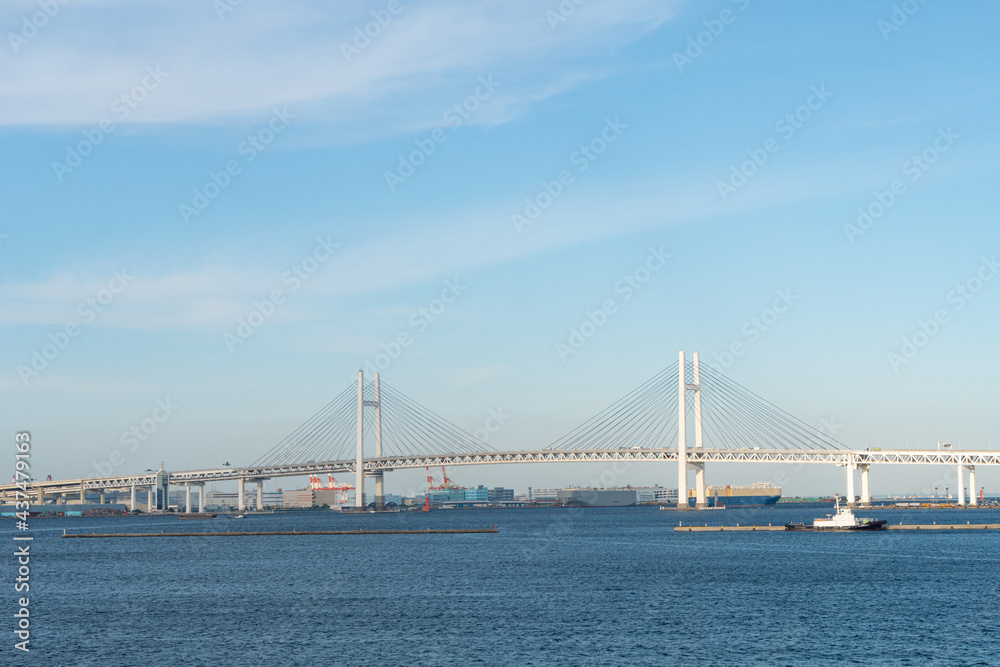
x: 151, y: 498
x: 683, y: 501
x: 83, y: 497
x: 701, y: 502
x: 850, y: 466
x: 102, y: 496
x: 973, y: 501
x: 359, y: 463
x: 682, y: 462
x: 380, y: 477
x: 379, y: 491
x: 866, y: 497
x: 699, y: 468
x: 131, y: 507
x: 187, y: 498
x: 961, y: 485
x: 260, y: 494
x: 242, y: 493
x: 201, y: 498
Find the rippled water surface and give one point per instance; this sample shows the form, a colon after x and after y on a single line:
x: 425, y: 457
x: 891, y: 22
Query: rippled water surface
x: 590, y: 587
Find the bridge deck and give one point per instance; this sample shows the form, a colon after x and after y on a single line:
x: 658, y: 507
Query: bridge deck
x: 383, y: 464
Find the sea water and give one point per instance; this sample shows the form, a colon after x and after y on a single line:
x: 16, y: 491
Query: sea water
x: 555, y: 586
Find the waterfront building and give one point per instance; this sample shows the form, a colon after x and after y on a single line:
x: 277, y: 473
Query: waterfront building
x: 499, y: 494
x: 478, y: 494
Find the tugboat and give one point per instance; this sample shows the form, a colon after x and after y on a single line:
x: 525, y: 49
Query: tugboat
x: 843, y: 520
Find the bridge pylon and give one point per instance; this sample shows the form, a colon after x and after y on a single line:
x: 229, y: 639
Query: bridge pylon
x: 684, y: 387
x: 359, y: 472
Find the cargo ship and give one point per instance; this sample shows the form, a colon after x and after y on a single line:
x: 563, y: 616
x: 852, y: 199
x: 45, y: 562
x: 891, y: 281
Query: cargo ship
x: 597, y: 497
x: 759, y: 493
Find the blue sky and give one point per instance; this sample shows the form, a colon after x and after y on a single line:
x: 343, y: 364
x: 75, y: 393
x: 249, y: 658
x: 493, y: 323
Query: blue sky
x: 165, y: 97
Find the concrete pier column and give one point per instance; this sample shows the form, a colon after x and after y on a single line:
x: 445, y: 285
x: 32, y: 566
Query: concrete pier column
x: 201, y: 498
x: 850, y: 481
x: 866, y: 496
x: 41, y: 496
x: 102, y: 496
x: 701, y: 502
x: 242, y: 493
x: 682, y: 464
x: 151, y: 498
x: 379, y: 491
x: 260, y: 494
x: 131, y: 507
x: 379, y: 478
x: 973, y: 493
x: 699, y: 468
x: 961, y: 485
x: 83, y: 497
x: 187, y: 498
x: 359, y: 464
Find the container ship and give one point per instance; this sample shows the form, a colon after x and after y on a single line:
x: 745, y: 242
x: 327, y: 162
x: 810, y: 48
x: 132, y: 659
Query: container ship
x: 597, y: 497
x: 760, y: 493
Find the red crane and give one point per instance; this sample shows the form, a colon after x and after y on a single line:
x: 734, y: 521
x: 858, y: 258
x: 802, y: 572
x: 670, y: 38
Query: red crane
x: 433, y: 483
x: 341, y: 496
x: 449, y: 483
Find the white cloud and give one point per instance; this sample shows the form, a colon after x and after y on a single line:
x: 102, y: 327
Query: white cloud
x: 267, y: 54
x: 212, y: 296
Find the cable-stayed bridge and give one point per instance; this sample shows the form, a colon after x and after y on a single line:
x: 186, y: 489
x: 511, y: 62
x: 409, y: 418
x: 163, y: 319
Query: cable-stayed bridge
x: 686, y: 413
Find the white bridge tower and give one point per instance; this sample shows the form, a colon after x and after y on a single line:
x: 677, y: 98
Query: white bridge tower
x: 684, y: 387
x: 359, y: 470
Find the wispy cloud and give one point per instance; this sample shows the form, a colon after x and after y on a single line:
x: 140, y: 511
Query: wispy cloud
x: 214, y: 294
x: 291, y: 53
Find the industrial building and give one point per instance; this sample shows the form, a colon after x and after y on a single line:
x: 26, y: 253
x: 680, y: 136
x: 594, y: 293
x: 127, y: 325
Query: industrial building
x: 499, y: 494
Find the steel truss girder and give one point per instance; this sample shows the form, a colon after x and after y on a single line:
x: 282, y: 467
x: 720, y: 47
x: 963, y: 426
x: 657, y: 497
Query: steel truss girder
x: 387, y: 463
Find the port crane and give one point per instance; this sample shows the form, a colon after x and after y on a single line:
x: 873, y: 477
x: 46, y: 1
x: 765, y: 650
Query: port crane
x: 317, y: 484
x: 435, y: 484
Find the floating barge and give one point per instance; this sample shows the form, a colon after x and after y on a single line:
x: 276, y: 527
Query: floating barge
x: 252, y: 533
